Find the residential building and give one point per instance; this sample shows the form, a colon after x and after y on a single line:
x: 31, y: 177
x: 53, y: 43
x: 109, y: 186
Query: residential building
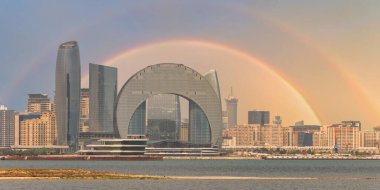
x: 39, y: 131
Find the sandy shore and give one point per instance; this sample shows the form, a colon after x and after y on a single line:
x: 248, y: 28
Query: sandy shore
x: 78, y: 174
x: 54, y: 174
x: 21, y: 174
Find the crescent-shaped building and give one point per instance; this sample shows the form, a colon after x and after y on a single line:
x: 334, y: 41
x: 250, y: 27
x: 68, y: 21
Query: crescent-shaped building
x: 202, y: 92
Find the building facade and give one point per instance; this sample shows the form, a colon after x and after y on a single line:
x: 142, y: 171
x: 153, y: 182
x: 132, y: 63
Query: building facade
x: 103, y: 92
x: 67, y: 94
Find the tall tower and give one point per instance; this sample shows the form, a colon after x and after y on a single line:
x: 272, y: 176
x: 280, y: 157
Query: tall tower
x: 103, y: 91
x: 231, y: 103
x: 67, y: 94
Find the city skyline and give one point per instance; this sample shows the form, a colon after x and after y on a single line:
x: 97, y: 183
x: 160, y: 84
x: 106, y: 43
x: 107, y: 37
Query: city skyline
x: 324, y: 64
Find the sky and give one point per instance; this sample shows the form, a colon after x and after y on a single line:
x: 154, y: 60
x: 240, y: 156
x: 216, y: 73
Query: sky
x: 316, y: 61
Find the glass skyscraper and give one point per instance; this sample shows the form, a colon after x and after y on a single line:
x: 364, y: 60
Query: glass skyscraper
x: 67, y: 94
x: 103, y: 92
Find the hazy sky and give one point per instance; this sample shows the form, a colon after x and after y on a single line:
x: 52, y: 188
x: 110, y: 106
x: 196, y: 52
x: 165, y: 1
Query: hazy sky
x: 311, y: 60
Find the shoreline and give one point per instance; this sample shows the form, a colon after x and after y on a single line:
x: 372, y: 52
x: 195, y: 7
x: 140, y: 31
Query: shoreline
x: 160, y: 158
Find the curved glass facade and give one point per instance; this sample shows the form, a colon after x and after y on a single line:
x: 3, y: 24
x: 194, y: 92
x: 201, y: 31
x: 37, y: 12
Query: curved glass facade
x: 67, y: 94
x: 164, y: 117
x: 169, y: 78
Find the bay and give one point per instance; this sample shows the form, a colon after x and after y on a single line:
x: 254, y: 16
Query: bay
x: 331, y: 174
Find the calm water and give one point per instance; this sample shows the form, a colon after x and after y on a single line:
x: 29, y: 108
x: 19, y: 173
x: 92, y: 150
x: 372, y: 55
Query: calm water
x: 332, y: 174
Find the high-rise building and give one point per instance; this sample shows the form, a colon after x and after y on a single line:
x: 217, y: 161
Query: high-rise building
x: 231, y: 104
x: 38, y: 103
x: 39, y: 131
x: 164, y: 117
x: 7, y: 127
x: 103, y: 92
x: 84, y: 110
x: 258, y: 117
x: 67, y: 94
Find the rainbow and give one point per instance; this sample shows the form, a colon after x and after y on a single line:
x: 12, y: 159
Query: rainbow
x: 229, y: 49
x: 360, y: 92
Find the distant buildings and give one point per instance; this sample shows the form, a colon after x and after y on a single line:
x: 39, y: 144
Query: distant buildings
x: 258, y: 117
x: 7, y: 127
x: 103, y: 92
x: 231, y: 104
x: 67, y: 94
x: 345, y: 136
